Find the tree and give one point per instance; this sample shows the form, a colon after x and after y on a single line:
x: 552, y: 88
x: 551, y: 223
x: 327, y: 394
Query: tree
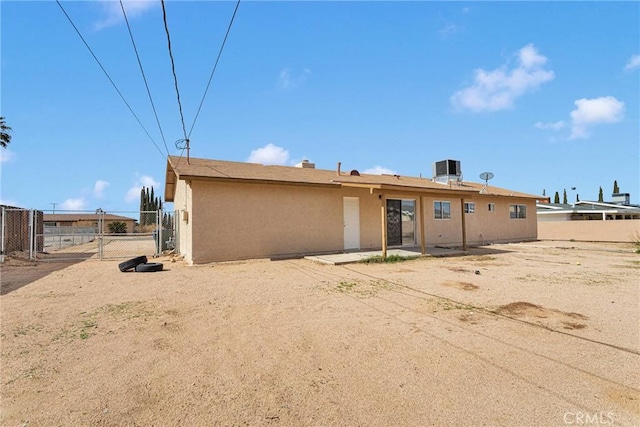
x: 616, y: 190
x: 556, y: 198
x: 5, y: 133
x: 577, y: 197
x: 149, y: 205
x: 600, y: 196
x: 564, y: 196
x: 544, y: 192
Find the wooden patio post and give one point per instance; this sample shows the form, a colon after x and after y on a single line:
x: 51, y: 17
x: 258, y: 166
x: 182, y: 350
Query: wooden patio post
x: 383, y: 218
x: 423, y: 246
x: 464, y: 227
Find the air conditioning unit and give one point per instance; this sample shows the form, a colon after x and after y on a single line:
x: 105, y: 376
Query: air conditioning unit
x: 447, y: 170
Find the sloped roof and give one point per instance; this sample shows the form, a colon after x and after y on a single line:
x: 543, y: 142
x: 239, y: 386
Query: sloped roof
x: 83, y: 217
x: 178, y: 168
x: 585, y: 207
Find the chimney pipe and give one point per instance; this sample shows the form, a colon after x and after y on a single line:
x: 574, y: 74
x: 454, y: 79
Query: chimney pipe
x: 339, y: 164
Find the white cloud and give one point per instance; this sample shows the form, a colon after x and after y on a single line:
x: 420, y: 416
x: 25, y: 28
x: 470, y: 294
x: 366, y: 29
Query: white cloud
x: 633, y: 63
x: 286, y: 81
x: 498, y: 89
x: 112, y: 12
x: 380, y: 170
x: 466, y: 10
x: 590, y: 112
x: 269, y: 155
x: 73, y: 204
x: 551, y: 125
x: 448, y: 30
x: 133, y: 194
x: 99, y: 187
x: 6, y: 155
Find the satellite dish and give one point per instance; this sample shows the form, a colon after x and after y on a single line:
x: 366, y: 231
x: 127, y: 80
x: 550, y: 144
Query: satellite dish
x: 486, y: 176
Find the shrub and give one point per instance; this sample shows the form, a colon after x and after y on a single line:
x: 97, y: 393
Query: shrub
x: 117, y: 227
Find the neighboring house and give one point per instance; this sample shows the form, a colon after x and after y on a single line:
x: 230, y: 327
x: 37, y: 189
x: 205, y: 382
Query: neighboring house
x: 230, y: 210
x: 100, y: 223
x: 615, y: 221
x: 586, y: 210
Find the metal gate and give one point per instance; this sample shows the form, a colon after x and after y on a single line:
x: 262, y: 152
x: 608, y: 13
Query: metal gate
x: 84, y: 235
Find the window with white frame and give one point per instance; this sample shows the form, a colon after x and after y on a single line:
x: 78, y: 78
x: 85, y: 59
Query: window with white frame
x: 442, y: 210
x: 517, y: 211
x: 469, y: 208
x: 491, y: 207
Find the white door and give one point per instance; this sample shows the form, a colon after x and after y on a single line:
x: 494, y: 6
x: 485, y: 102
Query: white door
x: 351, y: 223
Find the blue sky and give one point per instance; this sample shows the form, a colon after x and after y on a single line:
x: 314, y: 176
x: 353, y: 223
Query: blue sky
x: 543, y: 94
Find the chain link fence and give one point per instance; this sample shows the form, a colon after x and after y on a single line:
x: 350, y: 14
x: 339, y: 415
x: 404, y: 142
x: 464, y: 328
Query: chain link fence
x: 44, y: 236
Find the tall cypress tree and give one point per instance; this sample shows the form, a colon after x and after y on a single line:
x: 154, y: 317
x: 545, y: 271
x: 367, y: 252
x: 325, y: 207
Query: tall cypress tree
x: 141, y: 205
x: 556, y: 198
x: 600, y: 195
x: 616, y: 190
x: 564, y: 196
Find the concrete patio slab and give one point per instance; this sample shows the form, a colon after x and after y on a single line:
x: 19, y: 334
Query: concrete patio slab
x: 353, y: 257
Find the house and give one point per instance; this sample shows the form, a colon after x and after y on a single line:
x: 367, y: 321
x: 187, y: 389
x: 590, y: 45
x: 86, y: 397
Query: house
x: 586, y: 210
x: 98, y: 221
x: 613, y: 221
x: 231, y: 210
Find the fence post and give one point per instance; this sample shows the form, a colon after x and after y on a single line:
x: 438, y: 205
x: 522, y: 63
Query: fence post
x: 32, y: 237
x: 100, y: 213
x: 2, y: 247
x: 159, y: 232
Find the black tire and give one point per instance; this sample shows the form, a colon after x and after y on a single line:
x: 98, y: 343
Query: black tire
x: 132, y: 263
x: 149, y: 267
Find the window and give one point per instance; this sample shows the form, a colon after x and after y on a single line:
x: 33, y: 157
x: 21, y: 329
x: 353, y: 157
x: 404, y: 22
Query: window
x: 442, y: 210
x: 517, y: 211
x: 491, y: 207
x: 469, y: 208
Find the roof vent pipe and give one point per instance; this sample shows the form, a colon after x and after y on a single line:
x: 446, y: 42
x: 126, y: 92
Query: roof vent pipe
x: 338, y: 171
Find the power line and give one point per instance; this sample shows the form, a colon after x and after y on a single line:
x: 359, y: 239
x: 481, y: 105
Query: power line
x: 144, y: 77
x: 109, y: 78
x: 214, y: 67
x: 173, y: 69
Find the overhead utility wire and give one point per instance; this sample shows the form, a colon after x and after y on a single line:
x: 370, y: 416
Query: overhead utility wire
x: 214, y: 67
x: 173, y: 69
x: 144, y: 77
x: 109, y: 77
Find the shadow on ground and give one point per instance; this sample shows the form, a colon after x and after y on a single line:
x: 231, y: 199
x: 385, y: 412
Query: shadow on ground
x: 17, y: 273
x: 486, y: 250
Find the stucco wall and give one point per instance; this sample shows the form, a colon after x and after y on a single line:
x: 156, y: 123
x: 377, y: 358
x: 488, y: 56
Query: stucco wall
x: 240, y: 221
x: 230, y: 221
x: 182, y: 202
x: 590, y: 231
x: 482, y: 226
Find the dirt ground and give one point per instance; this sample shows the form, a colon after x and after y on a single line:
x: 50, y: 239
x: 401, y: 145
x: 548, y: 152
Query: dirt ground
x: 541, y: 333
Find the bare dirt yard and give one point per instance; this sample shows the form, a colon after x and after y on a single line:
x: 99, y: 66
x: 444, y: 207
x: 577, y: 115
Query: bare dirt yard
x: 541, y: 333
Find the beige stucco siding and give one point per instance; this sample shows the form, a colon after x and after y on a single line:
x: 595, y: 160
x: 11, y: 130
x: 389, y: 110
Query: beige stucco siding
x: 482, y: 226
x: 486, y: 226
x: 240, y: 221
x: 182, y: 203
x: 442, y: 231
